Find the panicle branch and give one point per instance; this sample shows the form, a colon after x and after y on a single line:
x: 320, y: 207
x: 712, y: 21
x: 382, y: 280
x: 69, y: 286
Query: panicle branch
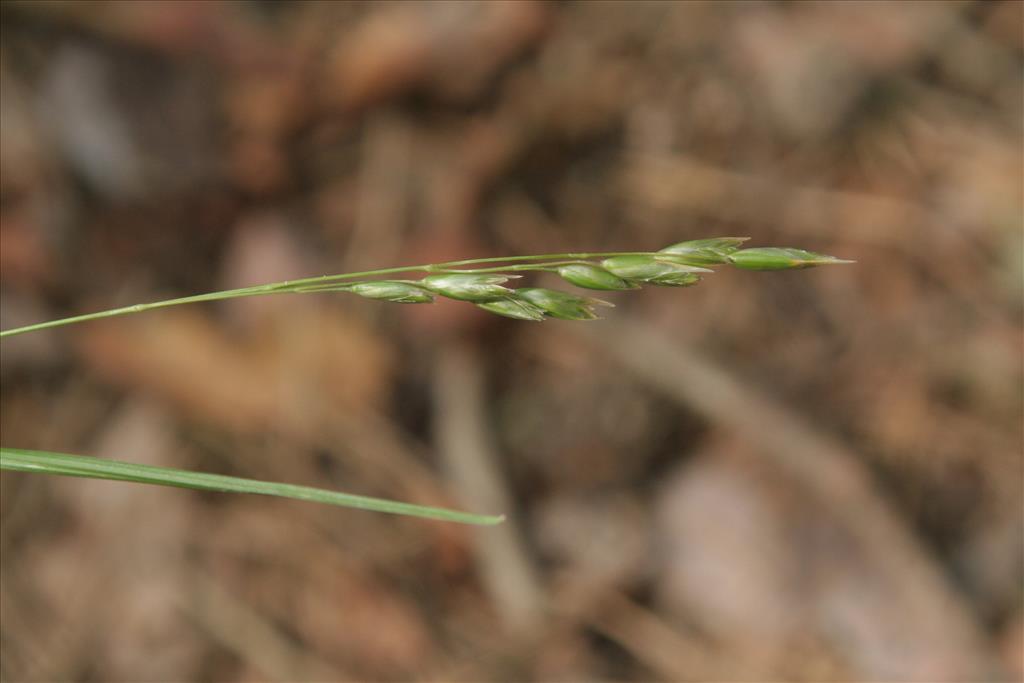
x: 482, y: 281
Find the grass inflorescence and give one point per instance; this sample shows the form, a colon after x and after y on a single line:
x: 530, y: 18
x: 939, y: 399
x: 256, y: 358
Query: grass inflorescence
x: 482, y: 282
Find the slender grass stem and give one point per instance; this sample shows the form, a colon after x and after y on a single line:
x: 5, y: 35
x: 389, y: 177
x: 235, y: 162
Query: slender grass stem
x: 305, y: 284
x: 537, y: 257
x: 521, y: 268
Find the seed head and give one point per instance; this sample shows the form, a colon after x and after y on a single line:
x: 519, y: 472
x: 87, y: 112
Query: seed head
x: 389, y: 290
x: 593, y: 277
x: 648, y: 268
x: 561, y: 305
x: 475, y: 287
x: 675, y: 279
x: 707, y: 252
x: 774, y: 258
x: 514, y: 307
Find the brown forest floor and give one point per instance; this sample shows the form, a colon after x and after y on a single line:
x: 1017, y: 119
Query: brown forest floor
x: 813, y: 475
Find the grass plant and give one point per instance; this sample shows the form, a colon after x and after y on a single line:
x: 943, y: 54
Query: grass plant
x: 481, y: 282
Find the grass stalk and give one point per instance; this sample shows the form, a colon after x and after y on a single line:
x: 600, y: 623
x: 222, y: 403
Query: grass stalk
x: 308, y: 284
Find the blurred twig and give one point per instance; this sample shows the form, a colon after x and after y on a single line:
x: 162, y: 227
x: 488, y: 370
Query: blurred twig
x: 470, y: 458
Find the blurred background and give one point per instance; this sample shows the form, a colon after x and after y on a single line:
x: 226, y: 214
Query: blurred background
x: 811, y: 475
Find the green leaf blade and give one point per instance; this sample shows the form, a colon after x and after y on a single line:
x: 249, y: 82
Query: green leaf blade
x: 45, y: 462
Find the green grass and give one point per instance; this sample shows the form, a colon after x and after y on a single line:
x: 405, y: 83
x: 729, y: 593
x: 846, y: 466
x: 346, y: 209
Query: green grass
x: 45, y: 462
x: 483, y: 285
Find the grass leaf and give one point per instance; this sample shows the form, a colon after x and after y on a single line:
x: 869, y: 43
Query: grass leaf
x: 98, y: 468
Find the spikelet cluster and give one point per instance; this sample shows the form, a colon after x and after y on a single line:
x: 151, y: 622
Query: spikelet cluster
x: 678, y: 265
